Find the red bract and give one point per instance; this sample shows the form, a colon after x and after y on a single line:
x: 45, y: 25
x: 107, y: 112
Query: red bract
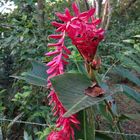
x: 67, y: 132
x: 87, y: 44
x: 56, y: 136
x: 82, y: 30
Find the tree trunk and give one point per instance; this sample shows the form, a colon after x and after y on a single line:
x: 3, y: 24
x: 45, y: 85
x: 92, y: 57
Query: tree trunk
x: 41, y: 12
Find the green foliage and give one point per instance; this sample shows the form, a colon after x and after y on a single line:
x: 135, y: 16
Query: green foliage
x: 37, y: 76
x: 130, y: 67
x: 75, y: 98
x: 104, y: 113
x: 42, y: 134
x: 112, y: 48
x: 26, y: 136
x: 24, y: 37
x: 130, y: 57
x: 129, y: 117
x: 125, y: 73
x: 131, y: 93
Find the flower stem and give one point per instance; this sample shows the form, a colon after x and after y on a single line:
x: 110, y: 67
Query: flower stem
x: 114, y: 117
x: 84, y: 120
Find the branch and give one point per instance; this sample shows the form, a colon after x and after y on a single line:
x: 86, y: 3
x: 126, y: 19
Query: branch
x: 41, y: 13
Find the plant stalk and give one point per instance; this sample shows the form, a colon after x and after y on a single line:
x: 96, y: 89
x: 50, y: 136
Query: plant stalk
x: 84, y: 120
x: 114, y: 117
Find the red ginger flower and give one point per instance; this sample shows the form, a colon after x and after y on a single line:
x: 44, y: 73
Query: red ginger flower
x: 84, y: 34
x: 86, y: 37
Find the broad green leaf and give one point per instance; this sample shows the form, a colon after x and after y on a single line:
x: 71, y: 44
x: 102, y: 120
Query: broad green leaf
x: 127, y: 74
x: 39, y: 69
x: 131, y: 93
x: 70, y: 88
x: 37, y: 76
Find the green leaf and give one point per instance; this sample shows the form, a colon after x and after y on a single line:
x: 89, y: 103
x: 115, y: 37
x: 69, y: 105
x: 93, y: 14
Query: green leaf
x: 136, y: 58
x: 129, y: 41
x: 70, y: 88
x: 42, y: 134
x: 2, y: 108
x: 137, y: 36
x: 129, y: 117
x: 37, y: 76
x: 131, y: 93
x: 30, y: 1
x: 26, y: 136
x: 127, y: 74
x: 129, y: 62
x: 80, y: 67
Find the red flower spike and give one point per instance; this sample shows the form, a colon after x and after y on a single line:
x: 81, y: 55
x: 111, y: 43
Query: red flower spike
x: 67, y: 13
x: 54, y: 44
x: 61, y: 29
x: 65, y: 62
x: 62, y: 17
x: 91, y: 12
x: 65, y: 56
x: 55, y: 36
x: 84, y: 14
x: 85, y: 35
x: 74, y: 26
x: 50, y: 63
x: 56, y: 136
x: 66, y: 50
x: 75, y: 9
x: 52, y: 53
x: 56, y: 24
x: 51, y: 70
x: 96, y: 21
